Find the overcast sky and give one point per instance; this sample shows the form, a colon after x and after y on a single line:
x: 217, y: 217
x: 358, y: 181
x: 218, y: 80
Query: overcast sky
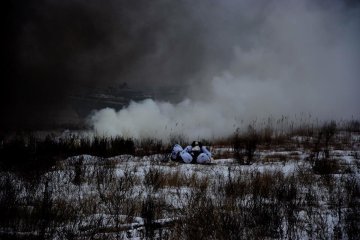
x: 251, y: 57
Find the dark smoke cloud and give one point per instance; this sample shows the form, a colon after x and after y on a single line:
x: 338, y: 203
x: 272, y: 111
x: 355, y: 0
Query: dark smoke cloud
x: 55, y: 47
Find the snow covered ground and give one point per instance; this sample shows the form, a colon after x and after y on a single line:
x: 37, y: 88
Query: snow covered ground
x: 278, y: 195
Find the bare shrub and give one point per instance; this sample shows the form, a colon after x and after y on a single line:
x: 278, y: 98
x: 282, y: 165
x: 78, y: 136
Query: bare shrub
x: 149, y: 146
x: 200, y: 219
x: 353, y: 126
x: 244, y: 145
x: 79, y: 171
x: 178, y: 139
x: 9, y: 201
x: 276, y: 157
x: 326, y: 166
x: 154, y: 178
x: 267, y: 135
x: 352, y: 214
x: 116, y: 194
x: 235, y: 186
x: 229, y: 215
x: 151, y: 211
x: 328, y: 130
x: 175, y: 179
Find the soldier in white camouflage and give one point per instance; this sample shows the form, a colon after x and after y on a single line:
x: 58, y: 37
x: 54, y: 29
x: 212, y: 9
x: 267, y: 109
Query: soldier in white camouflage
x: 194, y: 153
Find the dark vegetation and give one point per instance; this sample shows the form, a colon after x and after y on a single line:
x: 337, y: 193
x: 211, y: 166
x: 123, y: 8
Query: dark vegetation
x: 245, y: 145
x: 50, y: 190
x: 29, y: 155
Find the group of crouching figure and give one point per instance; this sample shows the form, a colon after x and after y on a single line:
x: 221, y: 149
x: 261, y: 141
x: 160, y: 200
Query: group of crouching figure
x: 194, y: 153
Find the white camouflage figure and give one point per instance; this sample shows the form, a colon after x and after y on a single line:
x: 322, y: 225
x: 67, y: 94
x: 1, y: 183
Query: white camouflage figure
x: 192, y: 153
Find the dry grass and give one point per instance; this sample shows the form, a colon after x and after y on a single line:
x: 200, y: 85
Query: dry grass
x: 105, y: 199
x: 277, y: 157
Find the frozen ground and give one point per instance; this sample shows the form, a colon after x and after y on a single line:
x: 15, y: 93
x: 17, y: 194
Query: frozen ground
x: 278, y: 195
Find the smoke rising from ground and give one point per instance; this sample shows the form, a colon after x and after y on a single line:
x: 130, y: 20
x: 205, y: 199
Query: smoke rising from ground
x: 235, y: 60
x: 259, y: 60
x: 54, y: 48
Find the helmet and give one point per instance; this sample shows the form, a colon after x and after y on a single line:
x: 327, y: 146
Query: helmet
x: 196, y: 144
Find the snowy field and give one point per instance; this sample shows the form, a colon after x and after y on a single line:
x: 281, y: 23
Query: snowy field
x: 281, y: 194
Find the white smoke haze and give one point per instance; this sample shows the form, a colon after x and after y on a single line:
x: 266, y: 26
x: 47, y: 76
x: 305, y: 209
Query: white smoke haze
x: 285, y: 58
x: 149, y: 119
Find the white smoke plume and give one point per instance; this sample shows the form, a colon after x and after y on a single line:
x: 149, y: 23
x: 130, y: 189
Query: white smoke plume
x: 272, y: 59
